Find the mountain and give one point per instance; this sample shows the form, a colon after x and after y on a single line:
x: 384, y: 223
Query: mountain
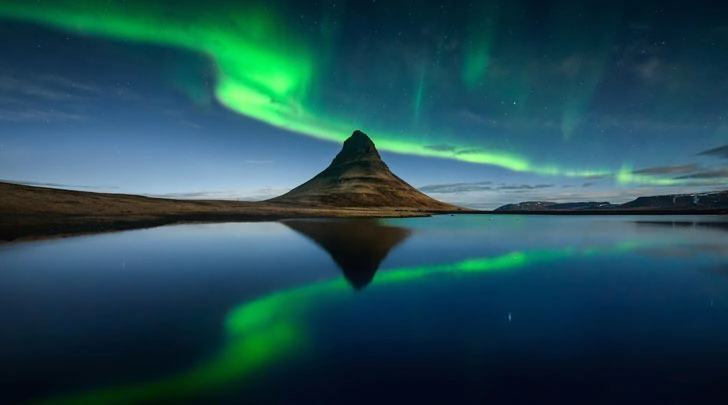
x: 711, y: 201
x: 547, y: 205
x: 357, y: 247
x: 357, y: 177
x: 681, y: 201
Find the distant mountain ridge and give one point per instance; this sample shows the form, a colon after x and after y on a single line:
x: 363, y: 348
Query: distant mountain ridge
x: 358, y: 177
x: 699, y: 201
x: 718, y: 199
x: 548, y: 205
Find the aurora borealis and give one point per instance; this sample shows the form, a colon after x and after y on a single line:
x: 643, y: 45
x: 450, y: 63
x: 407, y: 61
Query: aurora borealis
x: 586, y: 99
x: 273, y: 328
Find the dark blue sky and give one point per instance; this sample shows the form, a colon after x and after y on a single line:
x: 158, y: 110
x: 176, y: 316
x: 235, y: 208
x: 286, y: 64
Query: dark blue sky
x: 484, y: 104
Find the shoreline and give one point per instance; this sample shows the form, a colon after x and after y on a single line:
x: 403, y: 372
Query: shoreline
x: 30, y: 213
x: 38, y: 228
x: 638, y: 211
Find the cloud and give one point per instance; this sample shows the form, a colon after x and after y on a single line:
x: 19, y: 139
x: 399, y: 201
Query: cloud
x: 17, y: 87
x: 470, y: 116
x: 456, y: 188
x: 598, y: 176
x: 650, y: 69
x: 56, y: 185
x: 441, y: 148
x: 37, y: 115
x: 44, y: 98
x: 709, y: 174
x: 451, y: 188
x: 469, y: 151
x: 453, y: 149
x: 51, y: 98
x: 721, y: 152
x: 68, y: 84
x: 571, y: 66
x: 46, y: 87
x: 588, y: 184
x: 257, y: 194
x: 524, y: 187
x: 669, y: 169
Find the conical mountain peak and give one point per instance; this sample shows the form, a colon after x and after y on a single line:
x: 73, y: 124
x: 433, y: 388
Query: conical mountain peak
x: 357, y: 148
x: 357, y: 177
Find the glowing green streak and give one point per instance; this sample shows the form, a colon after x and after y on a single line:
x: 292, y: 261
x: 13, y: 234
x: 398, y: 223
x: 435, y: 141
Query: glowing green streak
x: 476, y: 65
x: 481, y: 26
x: 269, y: 71
x: 589, y: 68
x: 269, y: 329
x: 263, y: 72
x: 572, y: 116
x: 626, y: 176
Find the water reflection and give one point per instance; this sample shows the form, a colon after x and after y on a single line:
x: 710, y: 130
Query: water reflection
x: 277, y: 327
x: 358, y: 247
x: 690, y: 239
x: 474, y: 296
x: 712, y: 225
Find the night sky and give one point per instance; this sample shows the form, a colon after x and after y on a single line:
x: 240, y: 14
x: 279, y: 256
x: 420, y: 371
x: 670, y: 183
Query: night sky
x: 479, y: 103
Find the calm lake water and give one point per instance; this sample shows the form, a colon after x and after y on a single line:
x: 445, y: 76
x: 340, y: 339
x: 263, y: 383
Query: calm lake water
x: 448, y: 309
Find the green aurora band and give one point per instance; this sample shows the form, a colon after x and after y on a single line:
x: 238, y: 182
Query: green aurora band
x: 271, y: 328
x: 268, y: 73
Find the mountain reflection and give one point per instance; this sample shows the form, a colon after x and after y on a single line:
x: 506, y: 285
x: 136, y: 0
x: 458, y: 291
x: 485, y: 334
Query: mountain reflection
x: 715, y: 225
x: 357, y: 246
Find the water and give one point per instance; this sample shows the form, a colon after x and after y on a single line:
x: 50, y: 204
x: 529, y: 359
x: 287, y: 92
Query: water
x: 449, y: 309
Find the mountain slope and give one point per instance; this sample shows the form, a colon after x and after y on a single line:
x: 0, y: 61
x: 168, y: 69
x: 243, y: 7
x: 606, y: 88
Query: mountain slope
x: 716, y: 200
x: 357, y: 177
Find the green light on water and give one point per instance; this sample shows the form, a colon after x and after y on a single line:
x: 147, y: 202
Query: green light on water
x: 272, y: 328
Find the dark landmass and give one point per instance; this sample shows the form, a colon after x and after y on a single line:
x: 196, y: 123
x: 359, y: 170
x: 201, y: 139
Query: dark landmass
x: 674, y: 204
x: 357, y: 177
x: 713, y: 200
x: 356, y: 184
x: 547, y: 205
x: 357, y: 247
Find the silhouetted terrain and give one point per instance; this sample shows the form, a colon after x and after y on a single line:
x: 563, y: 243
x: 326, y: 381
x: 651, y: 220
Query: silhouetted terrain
x: 714, y: 202
x: 357, y: 177
x: 356, y: 184
x: 358, y: 247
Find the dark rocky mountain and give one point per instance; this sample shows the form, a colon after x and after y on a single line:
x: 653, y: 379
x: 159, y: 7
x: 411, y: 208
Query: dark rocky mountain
x: 674, y: 202
x: 547, y: 205
x: 357, y: 177
x: 681, y: 201
x: 358, y: 247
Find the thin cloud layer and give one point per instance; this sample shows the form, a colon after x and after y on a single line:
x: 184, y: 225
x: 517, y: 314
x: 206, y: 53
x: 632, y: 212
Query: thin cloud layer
x: 721, y: 152
x: 454, y: 188
x: 683, y: 169
x: 709, y: 174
